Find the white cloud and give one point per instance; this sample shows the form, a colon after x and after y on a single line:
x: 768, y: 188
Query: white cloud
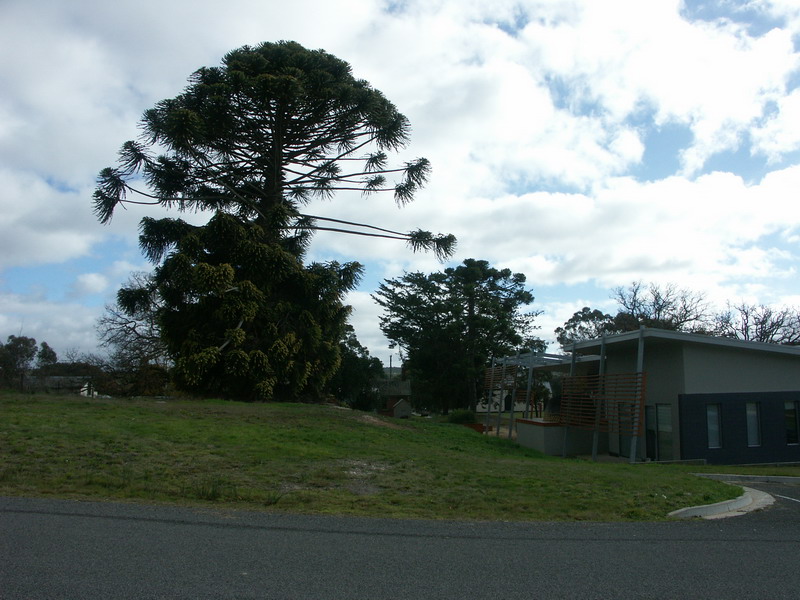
x: 535, y: 116
x: 64, y: 326
x: 630, y: 56
x: 780, y: 133
x: 365, y: 319
x: 40, y: 223
x: 90, y: 283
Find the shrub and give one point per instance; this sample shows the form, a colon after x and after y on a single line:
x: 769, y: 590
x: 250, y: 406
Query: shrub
x: 461, y: 416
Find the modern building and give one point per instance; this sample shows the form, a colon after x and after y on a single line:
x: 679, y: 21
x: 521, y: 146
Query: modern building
x: 667, y: 395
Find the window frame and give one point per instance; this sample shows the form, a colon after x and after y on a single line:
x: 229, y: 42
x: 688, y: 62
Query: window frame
x: 753, y: 432
x: 789, y: 427
x: 718, y: 409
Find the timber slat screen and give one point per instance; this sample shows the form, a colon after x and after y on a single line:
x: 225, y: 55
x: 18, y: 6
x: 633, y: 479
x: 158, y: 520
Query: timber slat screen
x: 500, y: 378
x: 606, y: 403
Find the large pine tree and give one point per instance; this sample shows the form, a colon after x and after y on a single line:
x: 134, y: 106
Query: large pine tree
x: 252, y: 141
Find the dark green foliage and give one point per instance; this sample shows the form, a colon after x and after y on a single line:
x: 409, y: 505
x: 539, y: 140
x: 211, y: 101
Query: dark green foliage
x: 46, y: 357
x: 354, y: 381
x: 16, y: 357
x: 450, y: 323
x: 586, y: 324
x: 252, y: 141
x: 461, y: 416
x: 269, y: 327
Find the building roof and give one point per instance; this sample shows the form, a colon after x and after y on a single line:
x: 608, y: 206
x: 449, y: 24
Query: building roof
x: 664, y: 336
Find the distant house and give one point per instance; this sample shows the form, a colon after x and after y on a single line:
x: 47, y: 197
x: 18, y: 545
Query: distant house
x: 60, y: 384
x: 667, y: 395
x: 395, y: 395
x: 399, y: 409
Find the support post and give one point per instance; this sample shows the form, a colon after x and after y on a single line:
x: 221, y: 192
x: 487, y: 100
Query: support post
x: 598, y: 402
x: 529, y: 391
x: 566, y: 427
x: 502, y: 400
x: 513, y: 400
x: 640, y: 370
x: 489, y: 399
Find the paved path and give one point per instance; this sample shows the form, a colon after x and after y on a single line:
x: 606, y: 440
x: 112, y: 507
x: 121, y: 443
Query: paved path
x: 60, y: 549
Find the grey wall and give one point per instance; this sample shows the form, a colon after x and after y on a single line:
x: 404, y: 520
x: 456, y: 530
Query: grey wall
x: 664, y: 366
x: 730, y: 370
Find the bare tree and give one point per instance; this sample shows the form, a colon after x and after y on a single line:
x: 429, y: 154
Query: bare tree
x: 665, y: 307
x: 130, y: 326
x: 759, y: 323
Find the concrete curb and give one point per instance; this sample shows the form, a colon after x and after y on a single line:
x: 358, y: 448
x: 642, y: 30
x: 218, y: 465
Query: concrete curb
x: 749, y: 501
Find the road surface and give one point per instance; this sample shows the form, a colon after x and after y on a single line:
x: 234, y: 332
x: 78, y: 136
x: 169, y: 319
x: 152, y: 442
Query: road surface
x: 90, y: 550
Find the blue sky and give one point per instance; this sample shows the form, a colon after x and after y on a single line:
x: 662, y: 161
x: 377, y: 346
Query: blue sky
x: 585, y: 144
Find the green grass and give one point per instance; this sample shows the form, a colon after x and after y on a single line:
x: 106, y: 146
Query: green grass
x: 315, y: 459
x: 781, y: 470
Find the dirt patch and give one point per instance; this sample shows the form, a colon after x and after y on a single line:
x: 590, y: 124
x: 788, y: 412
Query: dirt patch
x: 361, y: 473
x: 380, y: 422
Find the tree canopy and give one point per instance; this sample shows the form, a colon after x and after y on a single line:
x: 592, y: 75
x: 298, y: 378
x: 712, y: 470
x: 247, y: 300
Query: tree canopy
x: 16, y: 357
x: 448, y: 324
x: 652, y: 305
x: 251, y: 142
x: 355, y: 380
x: 273, y: 127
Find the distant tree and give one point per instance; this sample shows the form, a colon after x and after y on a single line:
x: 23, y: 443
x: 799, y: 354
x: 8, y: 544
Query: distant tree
x: 354, y: 380
x: 139, y: 361
x: 46, y: 357
x: 130, y: 327
x: 651, y: 305
x: 16, y: 358
x: 664, y: 307
x: 252, y: 142
x: 759, y: 323
x: 585, y: 324
x: 448, y: 325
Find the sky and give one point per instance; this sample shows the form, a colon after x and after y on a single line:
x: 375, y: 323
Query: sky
x: 584, y: 144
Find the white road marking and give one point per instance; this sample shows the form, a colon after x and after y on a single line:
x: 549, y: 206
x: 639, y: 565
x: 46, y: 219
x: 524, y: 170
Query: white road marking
x: 786, y: 498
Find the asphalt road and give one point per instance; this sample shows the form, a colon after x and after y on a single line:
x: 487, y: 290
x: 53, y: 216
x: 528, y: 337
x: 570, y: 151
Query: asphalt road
x: 60, y: 549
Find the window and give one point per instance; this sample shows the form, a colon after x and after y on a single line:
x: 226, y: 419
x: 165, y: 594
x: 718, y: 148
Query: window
x: 790, y: 412
x: 753, y: 410
x: 659, y: 431
x: 664, y: 431
x: 714, y: 425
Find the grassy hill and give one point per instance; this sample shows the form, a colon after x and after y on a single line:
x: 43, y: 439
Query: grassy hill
x: 314, y: 459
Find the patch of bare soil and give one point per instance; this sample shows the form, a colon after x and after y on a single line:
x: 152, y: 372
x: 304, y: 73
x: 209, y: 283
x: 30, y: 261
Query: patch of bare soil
x: 361, y: 473
x: 380, y: 422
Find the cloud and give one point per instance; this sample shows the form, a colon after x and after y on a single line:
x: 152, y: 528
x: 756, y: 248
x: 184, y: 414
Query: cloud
x: 779, y: 134
x: 621, y: 58
x: 365, y: 319
x: 536, y: 116
x: 39, y: 222
x: 64, y: 326
x: 89, y: 283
